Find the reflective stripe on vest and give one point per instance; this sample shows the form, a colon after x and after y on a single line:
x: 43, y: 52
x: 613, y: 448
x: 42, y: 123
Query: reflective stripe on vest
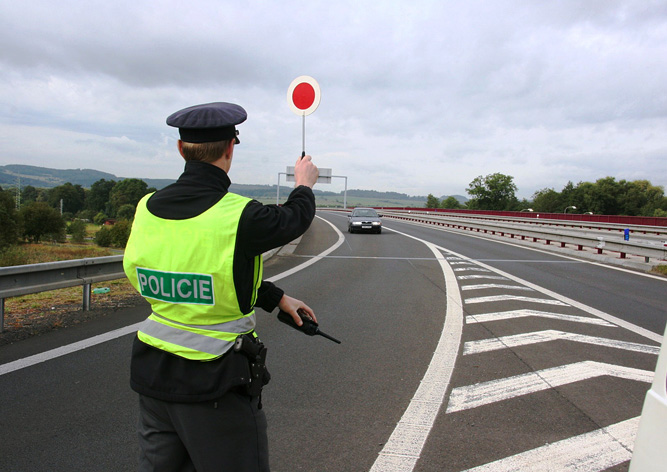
x: 211, y: 339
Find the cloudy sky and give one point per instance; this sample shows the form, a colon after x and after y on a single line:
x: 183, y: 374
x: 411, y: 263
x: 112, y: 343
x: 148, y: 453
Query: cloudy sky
x: 418, y: 96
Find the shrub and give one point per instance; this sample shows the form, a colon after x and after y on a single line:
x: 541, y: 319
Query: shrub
x: 116, y: 235
x: 103, y: 237
x: 120, y: 232
x: 77, y: 229
x: 99, y: 218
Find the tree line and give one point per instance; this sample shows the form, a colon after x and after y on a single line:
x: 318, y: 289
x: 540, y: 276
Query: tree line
x: 36, y: 213
x: 605, y: 196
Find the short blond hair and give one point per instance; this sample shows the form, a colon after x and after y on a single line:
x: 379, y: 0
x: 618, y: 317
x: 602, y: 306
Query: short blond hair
x: 204, y: 152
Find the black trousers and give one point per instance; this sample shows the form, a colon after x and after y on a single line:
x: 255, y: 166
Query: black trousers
x: 224, y: 435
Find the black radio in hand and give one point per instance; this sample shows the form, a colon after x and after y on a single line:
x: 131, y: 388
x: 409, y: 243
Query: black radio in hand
x: 309, y: 327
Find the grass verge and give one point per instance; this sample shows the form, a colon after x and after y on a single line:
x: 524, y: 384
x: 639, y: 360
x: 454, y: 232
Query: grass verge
x: 36, y: 313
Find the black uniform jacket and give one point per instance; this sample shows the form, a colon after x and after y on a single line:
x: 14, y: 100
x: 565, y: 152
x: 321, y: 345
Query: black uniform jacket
x: 164, y: 376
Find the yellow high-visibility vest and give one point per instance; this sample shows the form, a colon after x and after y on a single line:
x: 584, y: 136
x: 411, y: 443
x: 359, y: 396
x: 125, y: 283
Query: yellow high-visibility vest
x: 185, y: 269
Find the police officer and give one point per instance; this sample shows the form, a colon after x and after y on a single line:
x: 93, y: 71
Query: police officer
x: 195, y: 253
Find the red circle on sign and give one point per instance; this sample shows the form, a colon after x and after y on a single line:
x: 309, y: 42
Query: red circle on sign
x: 303, y: 96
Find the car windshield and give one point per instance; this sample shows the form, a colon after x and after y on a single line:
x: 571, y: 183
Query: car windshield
x: 366, y: 212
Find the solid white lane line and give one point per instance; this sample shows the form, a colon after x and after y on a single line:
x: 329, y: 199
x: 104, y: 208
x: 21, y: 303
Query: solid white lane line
x: 524, y: 339
x: 591, y: 452
x: 309, y: 262
x: 68, y: 349
x: 402, y: 450
x: 484, y: 393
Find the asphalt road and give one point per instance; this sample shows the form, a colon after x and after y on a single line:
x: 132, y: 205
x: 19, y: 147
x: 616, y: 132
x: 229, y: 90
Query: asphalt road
x: 457, y: 353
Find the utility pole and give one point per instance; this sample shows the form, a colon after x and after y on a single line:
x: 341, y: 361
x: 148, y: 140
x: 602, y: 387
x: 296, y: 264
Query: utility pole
x: 18, y: 194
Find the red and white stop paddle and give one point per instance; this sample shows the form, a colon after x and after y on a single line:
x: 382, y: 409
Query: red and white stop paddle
x: 303, y: 98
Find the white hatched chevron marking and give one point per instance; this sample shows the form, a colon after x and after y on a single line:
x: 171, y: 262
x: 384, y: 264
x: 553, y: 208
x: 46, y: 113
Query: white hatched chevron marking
x: 506, y: 315
x: 471, y: 268
x: 484, y: 393
x: 486, y: 345
x: 505, y: 298
x: 490, y: 277
x: 482, y: 286
x: 595, y: 451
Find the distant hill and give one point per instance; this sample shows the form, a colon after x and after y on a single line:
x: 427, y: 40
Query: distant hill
x: 43, y: 177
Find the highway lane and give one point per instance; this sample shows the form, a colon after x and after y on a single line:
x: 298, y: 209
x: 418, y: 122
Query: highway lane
x: 571, y: 379
x: 327, y: 403
x: 335, y: 407
x: 332, y: 407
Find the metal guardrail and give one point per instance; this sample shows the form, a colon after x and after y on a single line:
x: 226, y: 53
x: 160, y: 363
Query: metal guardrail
x: 34, y: 278
x: 654, y: 231
x: 580, y: 239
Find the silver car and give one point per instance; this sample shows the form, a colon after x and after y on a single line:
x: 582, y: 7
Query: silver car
x: 364, y: 219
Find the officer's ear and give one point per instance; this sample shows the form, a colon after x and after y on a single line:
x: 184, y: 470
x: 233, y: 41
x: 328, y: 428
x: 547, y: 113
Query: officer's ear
x: 229, y: 152
x: 180, y: 148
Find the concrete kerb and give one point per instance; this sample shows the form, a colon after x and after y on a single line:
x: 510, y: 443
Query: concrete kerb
x: 285, y: 250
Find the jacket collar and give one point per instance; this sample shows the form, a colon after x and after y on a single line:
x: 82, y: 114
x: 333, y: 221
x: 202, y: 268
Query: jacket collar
x: 202, y: 173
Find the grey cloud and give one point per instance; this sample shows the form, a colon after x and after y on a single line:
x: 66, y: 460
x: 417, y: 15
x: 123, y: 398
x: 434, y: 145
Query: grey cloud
x: 473, y: 85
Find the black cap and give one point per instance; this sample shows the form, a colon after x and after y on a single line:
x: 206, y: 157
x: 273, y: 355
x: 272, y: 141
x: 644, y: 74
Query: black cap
x: 208, y: 122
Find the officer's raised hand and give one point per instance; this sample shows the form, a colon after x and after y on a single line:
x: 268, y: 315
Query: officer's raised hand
x: 305, y: 172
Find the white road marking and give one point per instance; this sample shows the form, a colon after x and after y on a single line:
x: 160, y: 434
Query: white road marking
x: 320, y: 256
x: 591, y: 452
x: 507, y: 315
x: 402, y: 450
x: 506, y: 298
x: 490, y: 277
x: 472, y: 268
x: 483, y: 286
x: 524, y: 339
x: 569, y: 301
x: 68, y: 349
x: 484, y: 393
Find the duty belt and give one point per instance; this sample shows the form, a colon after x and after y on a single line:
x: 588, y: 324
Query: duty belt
x: 255, y: 351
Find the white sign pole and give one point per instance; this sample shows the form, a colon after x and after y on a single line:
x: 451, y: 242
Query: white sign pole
x: 303, y: 98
